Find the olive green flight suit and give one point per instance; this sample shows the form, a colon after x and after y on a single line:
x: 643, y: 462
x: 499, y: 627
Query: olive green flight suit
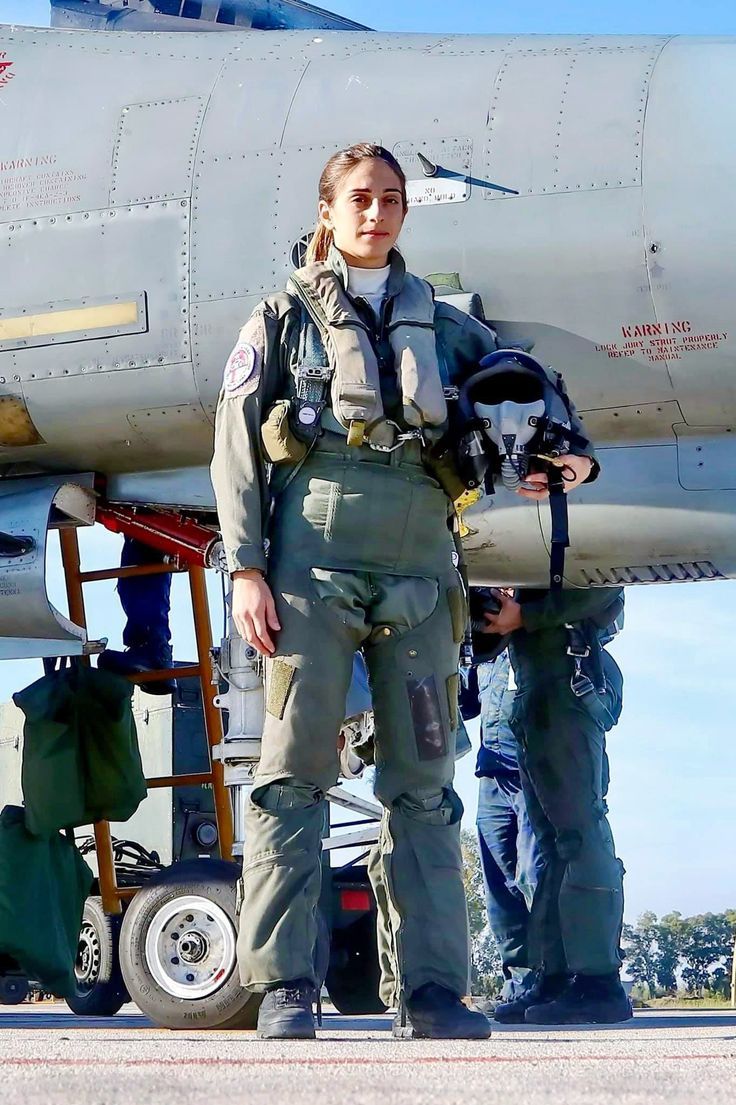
x: 360, y: 555
x: 577, y: 911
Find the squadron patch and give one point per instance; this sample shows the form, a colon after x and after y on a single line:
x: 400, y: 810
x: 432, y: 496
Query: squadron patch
x: 243, y: 368
x: 241, y: 371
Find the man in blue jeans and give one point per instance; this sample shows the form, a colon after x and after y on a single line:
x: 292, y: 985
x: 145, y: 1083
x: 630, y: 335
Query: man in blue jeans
x: 510, y: 858
x: 146, y: 602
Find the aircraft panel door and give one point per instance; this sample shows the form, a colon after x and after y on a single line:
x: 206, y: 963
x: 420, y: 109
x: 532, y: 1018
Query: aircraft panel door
x: 395, y: 95
x: 154, y: 151
x: 250, y: 102
x: 98, y: 262
x: 570, y: 120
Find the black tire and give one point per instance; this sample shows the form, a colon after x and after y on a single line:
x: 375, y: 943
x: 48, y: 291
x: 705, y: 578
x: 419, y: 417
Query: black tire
x: 354, y: 973
x: 100, y: 988
x: 191, y: 905
x: 14, y: 989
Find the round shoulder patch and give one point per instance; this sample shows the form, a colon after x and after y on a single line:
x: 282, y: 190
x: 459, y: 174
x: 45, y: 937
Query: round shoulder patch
x: 240, y: 370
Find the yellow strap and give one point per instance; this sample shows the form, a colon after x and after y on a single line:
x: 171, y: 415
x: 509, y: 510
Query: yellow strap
x: 356, y: 432
x: 461, y: 504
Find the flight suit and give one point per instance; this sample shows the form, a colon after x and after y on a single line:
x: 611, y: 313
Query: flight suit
x: 577, y: 911
x: 360, y: 554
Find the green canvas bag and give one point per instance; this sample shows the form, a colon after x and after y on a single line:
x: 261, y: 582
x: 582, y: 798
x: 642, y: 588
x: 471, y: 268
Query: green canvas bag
x: 43, y: 886
x: 81, y: 761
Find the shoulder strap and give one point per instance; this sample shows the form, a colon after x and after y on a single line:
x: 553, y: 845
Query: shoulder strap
x: 313, y: 376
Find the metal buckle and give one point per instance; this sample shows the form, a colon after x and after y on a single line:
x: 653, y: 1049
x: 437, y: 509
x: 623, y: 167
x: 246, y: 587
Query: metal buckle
x: 580, y: 684
x: 308, y: 372
x: 401, y: 438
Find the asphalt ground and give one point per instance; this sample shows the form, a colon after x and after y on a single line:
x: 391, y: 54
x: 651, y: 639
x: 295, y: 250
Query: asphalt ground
x: 50, y: 1056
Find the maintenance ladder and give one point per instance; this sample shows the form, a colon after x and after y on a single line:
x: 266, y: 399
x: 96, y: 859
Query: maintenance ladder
x: 112, y: 895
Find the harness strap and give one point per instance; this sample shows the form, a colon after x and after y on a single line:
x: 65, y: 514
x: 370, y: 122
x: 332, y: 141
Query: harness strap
x: 313, y: 378
x: 582, y: 687
x: 560, y: 538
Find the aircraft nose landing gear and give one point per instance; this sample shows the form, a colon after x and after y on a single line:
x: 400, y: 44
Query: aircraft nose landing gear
x: 178, y: 949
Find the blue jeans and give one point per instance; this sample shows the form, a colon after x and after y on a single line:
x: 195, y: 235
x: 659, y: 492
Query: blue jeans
x: 145, y: 601
x: 510, y: 862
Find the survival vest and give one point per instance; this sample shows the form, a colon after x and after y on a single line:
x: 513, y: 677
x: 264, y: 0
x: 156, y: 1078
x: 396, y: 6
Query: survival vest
x: 352, y: 372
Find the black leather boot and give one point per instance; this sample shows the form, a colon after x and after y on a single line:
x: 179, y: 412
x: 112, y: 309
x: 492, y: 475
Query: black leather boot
x: 136, y: 661
x: 435, y: 1013
x: 589, y: 999
x: 547, y: 988
x: 286, y: 1012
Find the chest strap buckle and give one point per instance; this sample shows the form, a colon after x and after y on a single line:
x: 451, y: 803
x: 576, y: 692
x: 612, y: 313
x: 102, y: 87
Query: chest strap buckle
x: 402, y: 436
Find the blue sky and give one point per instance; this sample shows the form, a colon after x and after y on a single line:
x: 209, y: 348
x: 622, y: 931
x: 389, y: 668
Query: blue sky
x: 673, y: 755
x: 489, y: 17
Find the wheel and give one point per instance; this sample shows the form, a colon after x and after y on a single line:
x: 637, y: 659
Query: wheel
x: 178, y: 949
x: 100, y: 990
x: 14, y: 989
x: 354, y: 974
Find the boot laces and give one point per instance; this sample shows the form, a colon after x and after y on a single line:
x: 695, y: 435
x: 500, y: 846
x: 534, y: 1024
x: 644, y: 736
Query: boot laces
x: 291, y: 995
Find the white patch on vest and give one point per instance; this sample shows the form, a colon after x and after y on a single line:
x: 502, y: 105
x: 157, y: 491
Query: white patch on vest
x: 242, y: 371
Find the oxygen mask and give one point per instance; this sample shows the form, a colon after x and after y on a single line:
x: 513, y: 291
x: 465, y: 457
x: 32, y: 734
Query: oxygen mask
x: 515, y: 421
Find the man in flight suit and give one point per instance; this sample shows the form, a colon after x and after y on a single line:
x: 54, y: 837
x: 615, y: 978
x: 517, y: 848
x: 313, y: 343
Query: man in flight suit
x: 569, y: 694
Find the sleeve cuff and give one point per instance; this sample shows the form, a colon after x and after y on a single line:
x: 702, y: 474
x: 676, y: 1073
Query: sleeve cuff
x: 593, y: 475
x: 246, y: 556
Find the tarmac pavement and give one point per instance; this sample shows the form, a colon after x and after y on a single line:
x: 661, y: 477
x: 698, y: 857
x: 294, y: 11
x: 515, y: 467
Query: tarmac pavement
x: 50, y: 1057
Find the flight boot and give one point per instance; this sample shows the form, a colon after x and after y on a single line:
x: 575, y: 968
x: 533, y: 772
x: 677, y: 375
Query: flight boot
x: 435, y: 1013
x: 286, y: 1012
x: 589, y: 999
x: 138, y: 661
x: 546, y: 989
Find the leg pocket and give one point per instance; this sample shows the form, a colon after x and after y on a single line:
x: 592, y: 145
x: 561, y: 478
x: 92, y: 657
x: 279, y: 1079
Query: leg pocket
x: 458, y: 613
x: 280, y: 676
x: 426, y: 715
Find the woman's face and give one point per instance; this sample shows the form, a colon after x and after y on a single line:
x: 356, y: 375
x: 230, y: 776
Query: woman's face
x: 367, y: 214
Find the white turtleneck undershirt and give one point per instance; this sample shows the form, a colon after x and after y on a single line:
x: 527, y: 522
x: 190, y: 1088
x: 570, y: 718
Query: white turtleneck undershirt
x: 369, y: 284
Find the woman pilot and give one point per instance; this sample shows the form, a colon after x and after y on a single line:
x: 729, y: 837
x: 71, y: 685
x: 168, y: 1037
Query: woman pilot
x: 337, y: 383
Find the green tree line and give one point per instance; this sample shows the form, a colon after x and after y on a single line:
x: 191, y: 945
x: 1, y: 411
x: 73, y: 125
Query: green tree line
x: 676, y: 952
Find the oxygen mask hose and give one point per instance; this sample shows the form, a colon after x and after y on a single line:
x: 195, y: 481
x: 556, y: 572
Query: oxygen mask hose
x: 514, y: 471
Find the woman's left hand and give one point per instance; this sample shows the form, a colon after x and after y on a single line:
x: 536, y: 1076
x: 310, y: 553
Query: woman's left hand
x: 578, y: 466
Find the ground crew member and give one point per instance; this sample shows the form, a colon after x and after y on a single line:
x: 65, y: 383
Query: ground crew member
x: 338, y: 383
x: 510, y: 858
x: 146, y: 602
x: 569, y: 694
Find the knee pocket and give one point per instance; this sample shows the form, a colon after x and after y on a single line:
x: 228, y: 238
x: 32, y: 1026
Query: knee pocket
x: 592, y: 868
x: 441, y: 808
x: 285, y: 796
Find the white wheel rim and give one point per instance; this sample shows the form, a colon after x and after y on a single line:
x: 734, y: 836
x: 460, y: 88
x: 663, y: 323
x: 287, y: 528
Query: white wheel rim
x: 190, y: 947
x: 87, y: 966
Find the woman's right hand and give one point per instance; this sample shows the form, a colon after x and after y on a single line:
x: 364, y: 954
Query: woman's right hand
x: 254, y: 611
